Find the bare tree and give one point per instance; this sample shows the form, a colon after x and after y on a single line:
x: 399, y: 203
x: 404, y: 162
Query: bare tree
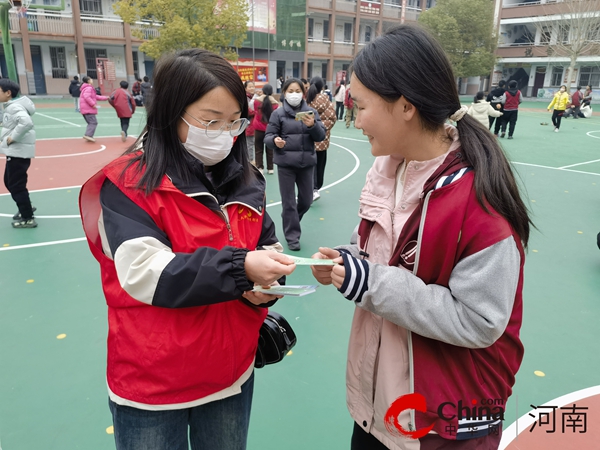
x: 570, y: 28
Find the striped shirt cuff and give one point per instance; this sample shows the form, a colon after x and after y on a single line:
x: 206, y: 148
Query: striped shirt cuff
x: 356, y: 280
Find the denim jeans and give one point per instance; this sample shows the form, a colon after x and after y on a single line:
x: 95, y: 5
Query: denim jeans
x: 222, y: 425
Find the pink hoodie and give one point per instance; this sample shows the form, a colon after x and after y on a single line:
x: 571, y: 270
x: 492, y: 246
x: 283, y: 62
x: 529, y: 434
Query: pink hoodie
x: 88, y: 99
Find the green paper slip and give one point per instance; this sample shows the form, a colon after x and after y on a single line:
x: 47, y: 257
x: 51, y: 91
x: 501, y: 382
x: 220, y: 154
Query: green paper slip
x: 299, y: 261
x: 297, y: 291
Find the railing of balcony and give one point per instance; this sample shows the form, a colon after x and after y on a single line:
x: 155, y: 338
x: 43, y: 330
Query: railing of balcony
x: 101, y: 26
x: 392, y: 11
x: 324, y: 4
x: 514, y: 5
x: 412, y: 13
x: 147, y: 31
x: 13, y: 22
x: 343, y: 48
x: 319, y: 47
x: 50, y: 23
x: 345, y: 5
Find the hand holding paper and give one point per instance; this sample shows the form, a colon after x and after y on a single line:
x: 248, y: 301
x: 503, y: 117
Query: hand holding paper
x: 322, y: 273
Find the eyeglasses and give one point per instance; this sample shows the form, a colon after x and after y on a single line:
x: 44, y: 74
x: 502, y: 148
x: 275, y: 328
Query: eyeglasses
x: 216, y: 127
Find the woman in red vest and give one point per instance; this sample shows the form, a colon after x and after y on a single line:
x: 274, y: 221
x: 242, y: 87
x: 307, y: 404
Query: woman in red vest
x: 179, y: 227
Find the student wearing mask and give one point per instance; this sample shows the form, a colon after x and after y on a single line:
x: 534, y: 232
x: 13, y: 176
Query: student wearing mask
x: 292, y: 132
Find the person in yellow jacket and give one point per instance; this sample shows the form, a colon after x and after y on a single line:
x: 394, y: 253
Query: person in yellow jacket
x: 559, y: 104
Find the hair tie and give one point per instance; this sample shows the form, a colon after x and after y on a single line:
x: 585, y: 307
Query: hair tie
x: 459, y: 114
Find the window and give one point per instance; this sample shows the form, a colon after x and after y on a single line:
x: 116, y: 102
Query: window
x: 545, y: 35
x: 594, y: 33
x: 310, y: 70
x: 311, y: 25
x: 136, y: 64
x: 347, y: 32
x: 59, y: 62
x: 590, y: 75
x: 367, y: 34
x: 557, y: 73
x: 563, y: 34
x: 91, y: 6
x: 326, y: 30
x: 430, y: 4
x: 90, y: 60
x: 51, y: 2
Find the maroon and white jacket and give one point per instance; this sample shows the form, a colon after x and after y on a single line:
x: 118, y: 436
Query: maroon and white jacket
x: 438, y: 290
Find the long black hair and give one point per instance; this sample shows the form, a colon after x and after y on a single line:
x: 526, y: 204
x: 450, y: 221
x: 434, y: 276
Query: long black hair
x: 337, y: 89
x: 200, y: 71
x: 316, y: 86
x: 408, y: 62
x: 267, y: 108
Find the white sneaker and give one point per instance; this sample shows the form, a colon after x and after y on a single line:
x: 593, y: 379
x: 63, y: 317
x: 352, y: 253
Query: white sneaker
x: 556, y: 130
x: 271, y: 172
x: 89, y: 139
x: 316, y: 196
x: 123, y: 136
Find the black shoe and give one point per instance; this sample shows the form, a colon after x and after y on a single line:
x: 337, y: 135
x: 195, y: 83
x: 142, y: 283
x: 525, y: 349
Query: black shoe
x: 502, y: 134
x: 294, y: 246
x: 31, y: 223
x: 17, y: 216
x: 510, y: 137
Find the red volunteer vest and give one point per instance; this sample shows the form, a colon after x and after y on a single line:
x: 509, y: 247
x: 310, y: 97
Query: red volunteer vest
x: 160, y: 355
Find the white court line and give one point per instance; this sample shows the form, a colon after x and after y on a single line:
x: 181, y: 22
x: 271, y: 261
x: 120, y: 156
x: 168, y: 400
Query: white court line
x: 60, y: 120
x: 102, y: 148
x: 41, y: 244
x: 596, y: 137
x: 525, y: 421
x: 356, y: 166
x: 555, y: 168
x: 579, y: 164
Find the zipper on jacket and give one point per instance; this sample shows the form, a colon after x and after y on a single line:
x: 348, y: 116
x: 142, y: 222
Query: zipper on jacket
x: 412, y: 426
x: 226, y: 217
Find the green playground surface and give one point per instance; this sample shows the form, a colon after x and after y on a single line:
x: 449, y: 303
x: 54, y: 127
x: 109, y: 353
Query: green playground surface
x: 53, y: 389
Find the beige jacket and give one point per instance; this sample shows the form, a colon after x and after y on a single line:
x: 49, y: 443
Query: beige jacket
x: 481, y: 111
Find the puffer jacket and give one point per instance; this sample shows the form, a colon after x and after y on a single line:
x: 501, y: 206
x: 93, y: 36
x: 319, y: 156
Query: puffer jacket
x: 17, y: 123
x: 299, y: 149
x: 88, y: 99
x: 327, y: 113
x: 560, y: 101
x: 481, y: 111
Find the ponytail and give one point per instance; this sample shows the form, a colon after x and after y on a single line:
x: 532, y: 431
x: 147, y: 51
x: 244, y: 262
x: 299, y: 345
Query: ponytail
x: 267, y: 108
x: 316, y: 86
x: 495, y: 182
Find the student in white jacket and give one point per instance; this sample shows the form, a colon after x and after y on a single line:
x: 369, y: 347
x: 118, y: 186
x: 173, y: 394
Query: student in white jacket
x: 481, y: 110
x: 18, y: 144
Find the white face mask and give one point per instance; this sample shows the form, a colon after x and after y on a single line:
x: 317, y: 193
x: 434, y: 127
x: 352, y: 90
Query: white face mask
x: 294, y: 99
x: 209, y: 147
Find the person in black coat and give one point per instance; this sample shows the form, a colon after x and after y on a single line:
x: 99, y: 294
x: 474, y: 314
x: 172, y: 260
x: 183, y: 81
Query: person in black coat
x: 496, y: 98
x: 75, y: 91
x: 293, y: 138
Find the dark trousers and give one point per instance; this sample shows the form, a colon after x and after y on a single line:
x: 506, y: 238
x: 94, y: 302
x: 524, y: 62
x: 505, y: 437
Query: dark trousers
x: 125, y: 124
x: 498, y: 120
x: 557, y: 117
x: 510, y: 118
x: 339, y: 110
x: 292, y: 212
x: 259, y: 150
x: 92, y: 122
x: 15, y: 180
x: 320, y: 169
x: 361, y: 440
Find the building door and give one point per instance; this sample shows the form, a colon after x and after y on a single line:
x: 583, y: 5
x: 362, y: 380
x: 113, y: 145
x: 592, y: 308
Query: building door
x: 38, y: 70
x: 149, y: 65
x: 538, y: 83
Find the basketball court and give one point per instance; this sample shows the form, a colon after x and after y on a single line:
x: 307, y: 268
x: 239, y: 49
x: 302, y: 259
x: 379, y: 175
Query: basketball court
x: 53, y: 322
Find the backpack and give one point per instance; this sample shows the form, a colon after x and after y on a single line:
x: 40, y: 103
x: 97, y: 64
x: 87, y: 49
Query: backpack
x: 98, y: 91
